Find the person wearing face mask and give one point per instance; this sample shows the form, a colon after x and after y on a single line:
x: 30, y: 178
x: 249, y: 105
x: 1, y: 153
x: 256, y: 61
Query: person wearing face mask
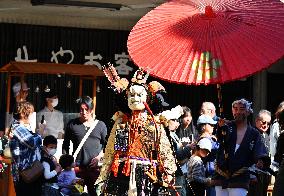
x: 49, y: 119
x: 50, y: 165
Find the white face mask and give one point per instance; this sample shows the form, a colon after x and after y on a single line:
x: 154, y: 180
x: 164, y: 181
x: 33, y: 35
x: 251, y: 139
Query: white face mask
x: 51, y: 151
x: 137, y: 95
x: 54, y: 102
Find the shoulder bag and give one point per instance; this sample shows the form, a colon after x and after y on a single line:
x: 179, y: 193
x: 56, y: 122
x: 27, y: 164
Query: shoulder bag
x: 33, y: 172
x: 84, y: 139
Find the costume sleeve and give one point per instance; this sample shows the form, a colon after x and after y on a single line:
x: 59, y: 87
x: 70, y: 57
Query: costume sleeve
x: 108, y: 156
x: 166, y: 154
x: 67, y: 138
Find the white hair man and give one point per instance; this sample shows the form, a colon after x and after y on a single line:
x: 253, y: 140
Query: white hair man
x: 208, y: 108
x: 241, y: 147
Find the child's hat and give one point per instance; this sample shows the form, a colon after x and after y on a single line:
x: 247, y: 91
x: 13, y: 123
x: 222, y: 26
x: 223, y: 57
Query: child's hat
x: 205, y: 143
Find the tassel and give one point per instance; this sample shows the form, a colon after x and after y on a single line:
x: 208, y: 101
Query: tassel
x: 126, y: 168
x: 115, y: 164
x: 132, y: 182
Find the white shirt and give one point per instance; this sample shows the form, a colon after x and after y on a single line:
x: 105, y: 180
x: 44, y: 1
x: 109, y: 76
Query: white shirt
x: 54, y: 121
x: 47, y: 173
x: 274, y: 134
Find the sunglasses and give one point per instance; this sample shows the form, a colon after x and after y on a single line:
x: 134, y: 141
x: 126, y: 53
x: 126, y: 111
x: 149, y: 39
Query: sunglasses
x: 263, y: 122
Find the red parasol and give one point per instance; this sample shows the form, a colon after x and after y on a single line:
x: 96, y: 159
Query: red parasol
x: 208, y: 41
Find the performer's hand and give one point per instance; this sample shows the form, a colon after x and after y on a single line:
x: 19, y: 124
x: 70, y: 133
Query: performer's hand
x: 100, y: 188
x: 192, y: 145
x: 222, y: 122
x: 168, y: 179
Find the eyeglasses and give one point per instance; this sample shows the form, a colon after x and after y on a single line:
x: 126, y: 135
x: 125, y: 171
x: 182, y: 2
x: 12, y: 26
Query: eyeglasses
x: 211, y: 125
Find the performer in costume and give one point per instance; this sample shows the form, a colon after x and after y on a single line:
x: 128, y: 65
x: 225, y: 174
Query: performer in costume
x: 138, y: 158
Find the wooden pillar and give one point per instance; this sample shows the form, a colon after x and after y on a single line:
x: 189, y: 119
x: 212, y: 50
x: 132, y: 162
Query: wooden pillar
x: 80, y: 87
x: 259, y: 92
x: 8, y: 93
x: 94, y: 94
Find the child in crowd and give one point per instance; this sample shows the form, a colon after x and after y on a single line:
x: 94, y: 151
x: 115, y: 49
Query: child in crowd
x: 51, y: 167
x: 196, y: 171
x: 71, y: 185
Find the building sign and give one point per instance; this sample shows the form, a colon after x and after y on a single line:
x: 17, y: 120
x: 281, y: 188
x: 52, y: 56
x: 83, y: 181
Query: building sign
x: 121, y: 60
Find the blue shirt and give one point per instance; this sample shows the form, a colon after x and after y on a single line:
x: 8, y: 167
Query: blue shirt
x: 66, y: 178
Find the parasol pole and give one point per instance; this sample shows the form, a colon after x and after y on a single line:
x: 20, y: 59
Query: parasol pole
x: 220, y: 102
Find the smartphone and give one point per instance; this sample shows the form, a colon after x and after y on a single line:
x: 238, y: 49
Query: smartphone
x: 42, y: 119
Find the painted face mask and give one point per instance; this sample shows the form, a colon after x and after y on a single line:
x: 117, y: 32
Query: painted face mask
x: 54, y: 102
x: 137, y: 95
